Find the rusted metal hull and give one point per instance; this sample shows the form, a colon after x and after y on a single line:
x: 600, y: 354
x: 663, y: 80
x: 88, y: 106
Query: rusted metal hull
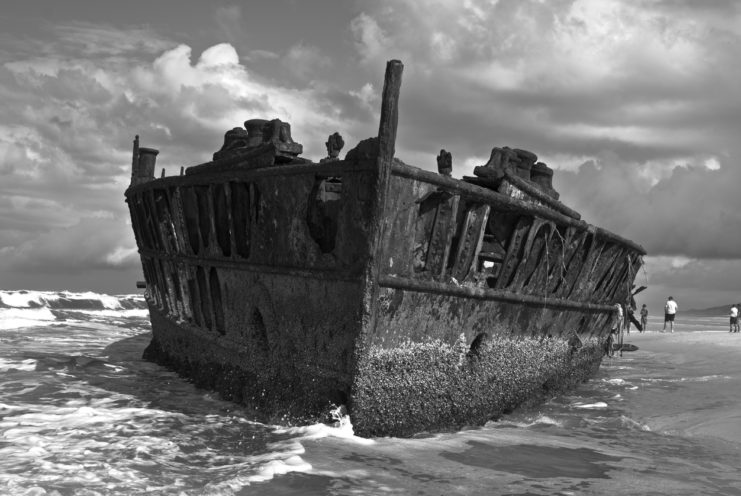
x: 420, y: 301
x: 236, y: 262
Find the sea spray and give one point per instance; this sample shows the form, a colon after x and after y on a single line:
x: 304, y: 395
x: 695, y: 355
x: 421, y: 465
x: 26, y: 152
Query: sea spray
x: 69, y: 300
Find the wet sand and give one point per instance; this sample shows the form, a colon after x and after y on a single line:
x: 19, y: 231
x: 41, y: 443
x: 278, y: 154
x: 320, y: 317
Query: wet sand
x: 708, y: 364
x: 674, y: 342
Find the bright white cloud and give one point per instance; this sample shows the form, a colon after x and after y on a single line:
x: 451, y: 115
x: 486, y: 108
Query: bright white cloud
x: 65, y: 142
x: 217, y: 56
x: 712, y: 163
x: 370, y: 39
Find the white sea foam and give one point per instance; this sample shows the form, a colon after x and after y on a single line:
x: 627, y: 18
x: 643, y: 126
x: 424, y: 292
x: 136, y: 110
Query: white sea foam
x: 279, y: 467
x: 30, y: 299
x: 705, y: 378
x: 342, y: 428
x: 629, y: 422
x: 537, y: 421
x: 46, y: 439
x: 285, y: 456
x: 544, y: 420
x: 134, y: 312
x: 599, y: 404
x: 22, y: 299
x: 9, y: 364
x: 108, y: 301
x: 15, y: 318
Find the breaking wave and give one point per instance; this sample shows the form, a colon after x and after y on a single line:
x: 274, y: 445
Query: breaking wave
x: 598, y: 404
x: 43, y: 308
x: 68, y: 300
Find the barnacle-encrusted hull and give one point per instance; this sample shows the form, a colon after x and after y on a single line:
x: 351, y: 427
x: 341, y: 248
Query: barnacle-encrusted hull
x: 420, y: 301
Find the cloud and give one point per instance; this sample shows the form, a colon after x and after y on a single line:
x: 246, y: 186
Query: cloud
x: 92, y: 243
x: 305, y: 61
x: 370, y: 40
x: 630, y: 77
x: 695, y: 273
x: 198, y: 102
x: 87, y: 40
x: 65, y: 142
x: 664, y: 217
x: 694, y: 283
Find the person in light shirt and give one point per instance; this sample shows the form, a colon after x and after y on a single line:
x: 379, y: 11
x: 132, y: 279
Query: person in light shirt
x: 670, y: 311
x: 734, y: 319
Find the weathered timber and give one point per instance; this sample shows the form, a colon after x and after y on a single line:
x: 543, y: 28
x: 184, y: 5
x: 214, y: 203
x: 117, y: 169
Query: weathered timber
x: 469, y: 243
x: 386, y: 146
x: 442, y: 234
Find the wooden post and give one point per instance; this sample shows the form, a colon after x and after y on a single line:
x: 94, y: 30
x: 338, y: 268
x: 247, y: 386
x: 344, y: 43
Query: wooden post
x: 386, y: 142
x: 135, y: 161
x: 389, y: 111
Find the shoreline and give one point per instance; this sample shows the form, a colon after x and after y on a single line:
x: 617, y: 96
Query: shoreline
x: 651, y: 339
x: 701, y: 369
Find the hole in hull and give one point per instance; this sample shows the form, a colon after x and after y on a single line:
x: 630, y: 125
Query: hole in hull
x: 323, y: 211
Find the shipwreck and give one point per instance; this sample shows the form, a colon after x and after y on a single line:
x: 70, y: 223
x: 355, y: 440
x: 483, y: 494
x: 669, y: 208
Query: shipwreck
x: 419, y: 301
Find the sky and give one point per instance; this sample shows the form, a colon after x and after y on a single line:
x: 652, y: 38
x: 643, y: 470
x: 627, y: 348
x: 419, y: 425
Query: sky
x: 635, y: 104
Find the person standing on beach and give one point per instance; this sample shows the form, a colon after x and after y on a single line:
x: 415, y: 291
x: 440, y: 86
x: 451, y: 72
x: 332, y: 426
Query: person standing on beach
x: 617, y: 327
x: 628, y: 317
x: 670, y: 311
x: 644, y: 317
x: 734, y: 319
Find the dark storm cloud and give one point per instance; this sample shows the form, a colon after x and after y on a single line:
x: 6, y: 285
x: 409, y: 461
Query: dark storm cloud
x: 100, y: 249
x: 720, y: 275
x: 693, y: 212
x: 573, y: 76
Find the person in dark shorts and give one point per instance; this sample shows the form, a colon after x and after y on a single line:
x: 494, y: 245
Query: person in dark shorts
x: 644, y: 317
x: 670, y: 311
x: 734, y: 319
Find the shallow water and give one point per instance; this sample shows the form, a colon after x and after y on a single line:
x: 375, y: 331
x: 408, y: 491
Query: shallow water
x: 82, y: 413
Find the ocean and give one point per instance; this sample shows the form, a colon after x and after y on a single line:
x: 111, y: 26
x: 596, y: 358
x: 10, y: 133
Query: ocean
x: 82, y: 414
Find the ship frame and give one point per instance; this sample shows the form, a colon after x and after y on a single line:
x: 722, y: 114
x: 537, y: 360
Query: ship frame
x: 419, y: 301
